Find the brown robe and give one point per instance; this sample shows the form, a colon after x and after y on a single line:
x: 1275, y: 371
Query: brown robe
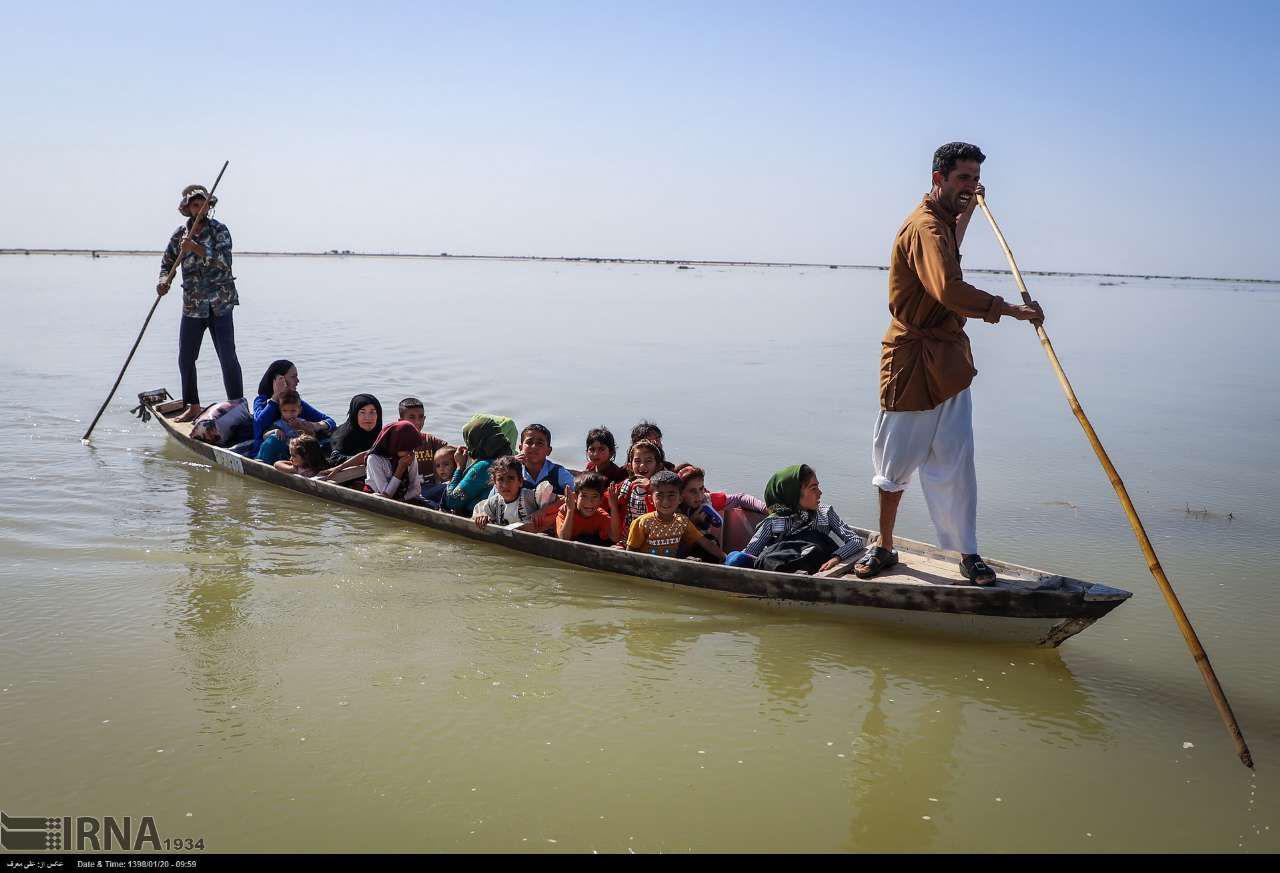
x: 926, y: 358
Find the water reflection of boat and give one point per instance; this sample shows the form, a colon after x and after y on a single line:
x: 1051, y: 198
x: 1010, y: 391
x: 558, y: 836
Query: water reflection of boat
x: 912, y: 709
x: 924, y: 590
x: 1036, y: 687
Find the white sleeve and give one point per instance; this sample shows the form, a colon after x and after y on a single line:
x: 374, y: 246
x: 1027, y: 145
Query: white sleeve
x: 377, y: 472
x: 415, y: 482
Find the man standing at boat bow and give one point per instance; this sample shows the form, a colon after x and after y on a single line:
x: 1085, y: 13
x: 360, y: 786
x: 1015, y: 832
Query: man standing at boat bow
x: 208, y: 295
x: 926, y: 367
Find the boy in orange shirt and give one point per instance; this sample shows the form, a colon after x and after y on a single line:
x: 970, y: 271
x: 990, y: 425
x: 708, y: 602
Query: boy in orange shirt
x: 587, y: 522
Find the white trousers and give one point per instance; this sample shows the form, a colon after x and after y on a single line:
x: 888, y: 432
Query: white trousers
x: 938, y: 443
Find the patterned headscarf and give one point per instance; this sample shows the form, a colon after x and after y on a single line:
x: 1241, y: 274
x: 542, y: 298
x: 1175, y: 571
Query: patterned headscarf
x: 489, y: 436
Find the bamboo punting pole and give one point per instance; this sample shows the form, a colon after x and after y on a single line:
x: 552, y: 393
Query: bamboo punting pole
x: 1153, y: 562
x: 166, y: 281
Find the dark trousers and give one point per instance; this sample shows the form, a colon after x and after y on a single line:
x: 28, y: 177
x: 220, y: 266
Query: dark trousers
x: 190, y: 336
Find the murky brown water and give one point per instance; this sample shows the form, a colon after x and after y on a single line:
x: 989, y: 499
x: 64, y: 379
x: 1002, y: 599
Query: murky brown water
x: 268, y: 673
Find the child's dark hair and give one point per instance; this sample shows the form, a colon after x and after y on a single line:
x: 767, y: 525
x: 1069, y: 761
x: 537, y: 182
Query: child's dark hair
x: 688, y: 472
x: 604, y: 436
x: 410, y: 403
x: 642, y: 431
x: 663, y: 479
x: 646, y: 446
x: 590, y: 482
x: 308, y: 448
x: 536, y: 428
x: 290, y: 397
x: 504, y: 465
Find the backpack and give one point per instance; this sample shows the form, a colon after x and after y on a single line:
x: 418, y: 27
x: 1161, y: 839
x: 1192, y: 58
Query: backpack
x: 806, y: 549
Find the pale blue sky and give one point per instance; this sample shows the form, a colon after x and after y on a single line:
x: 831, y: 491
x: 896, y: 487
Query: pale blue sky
x: 1121, y: 136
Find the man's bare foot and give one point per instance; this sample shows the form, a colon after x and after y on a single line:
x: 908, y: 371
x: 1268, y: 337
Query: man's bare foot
x: 191, y: 413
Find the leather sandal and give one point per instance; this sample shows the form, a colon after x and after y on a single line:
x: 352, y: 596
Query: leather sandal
x: 875, y: 560
x: 976, y: 570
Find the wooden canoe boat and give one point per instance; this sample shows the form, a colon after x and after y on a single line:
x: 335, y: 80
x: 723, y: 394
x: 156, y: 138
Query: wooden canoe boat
x: 925, y: 590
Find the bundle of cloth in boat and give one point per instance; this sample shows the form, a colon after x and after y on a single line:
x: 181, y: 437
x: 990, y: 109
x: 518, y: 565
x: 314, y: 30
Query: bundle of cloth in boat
x: 224, y: 424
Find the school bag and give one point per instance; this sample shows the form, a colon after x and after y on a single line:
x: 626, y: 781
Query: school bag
x: 806, y: 549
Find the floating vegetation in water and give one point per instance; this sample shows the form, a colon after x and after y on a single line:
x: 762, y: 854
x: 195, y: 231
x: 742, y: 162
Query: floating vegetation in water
x: 1206, y: 513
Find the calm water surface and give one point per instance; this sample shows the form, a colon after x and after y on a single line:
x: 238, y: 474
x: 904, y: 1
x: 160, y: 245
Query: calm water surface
x: 269, y: 673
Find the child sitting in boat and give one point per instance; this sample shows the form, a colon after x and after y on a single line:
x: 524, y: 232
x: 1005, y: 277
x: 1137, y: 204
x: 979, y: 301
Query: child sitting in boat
x: 511, y: 501
x: 582, y: 518
x: 412, y: 409
x: 275, y: 440
x: 535, y: 452
x: 801, y: 533
x: 631, y: 499
x: 435, y: 486
x: 601, y: 450
x: 487, y: 437
x: 391, y: 467
x: 717, y: 514
x: 306, y: 458
x: 353, y: 438
x: 665, y: 531
x: 648, y: 430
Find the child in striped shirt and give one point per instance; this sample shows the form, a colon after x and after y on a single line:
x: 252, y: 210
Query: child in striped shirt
x: 631, y: 499
x: 796, y: 511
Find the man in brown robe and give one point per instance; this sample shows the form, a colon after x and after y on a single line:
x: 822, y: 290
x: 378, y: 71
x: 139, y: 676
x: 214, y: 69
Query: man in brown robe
x: 926, y: 366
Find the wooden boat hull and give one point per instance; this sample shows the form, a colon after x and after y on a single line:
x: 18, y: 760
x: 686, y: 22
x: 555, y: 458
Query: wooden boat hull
x: 1025, y: 606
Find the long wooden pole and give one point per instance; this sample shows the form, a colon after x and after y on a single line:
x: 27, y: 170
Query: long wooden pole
x: 1153, y: 563
x: 166, y: 281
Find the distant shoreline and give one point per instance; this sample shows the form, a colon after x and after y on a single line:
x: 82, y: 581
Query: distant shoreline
x: 679, y: 262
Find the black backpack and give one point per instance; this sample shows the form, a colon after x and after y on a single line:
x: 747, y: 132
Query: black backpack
x: 806, y: 549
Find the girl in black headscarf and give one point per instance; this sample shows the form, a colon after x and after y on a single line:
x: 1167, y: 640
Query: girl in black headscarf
x: 357, y: 433
x: 355, y: 437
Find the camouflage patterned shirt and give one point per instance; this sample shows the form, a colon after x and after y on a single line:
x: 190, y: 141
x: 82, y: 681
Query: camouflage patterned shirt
x: 208, y: 288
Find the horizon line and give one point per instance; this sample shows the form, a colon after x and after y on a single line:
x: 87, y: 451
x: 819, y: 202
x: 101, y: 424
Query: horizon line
x: 347, y: 253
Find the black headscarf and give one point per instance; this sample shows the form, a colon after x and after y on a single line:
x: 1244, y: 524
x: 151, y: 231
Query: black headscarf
x: 351, y: 439
x: 277, y: 368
